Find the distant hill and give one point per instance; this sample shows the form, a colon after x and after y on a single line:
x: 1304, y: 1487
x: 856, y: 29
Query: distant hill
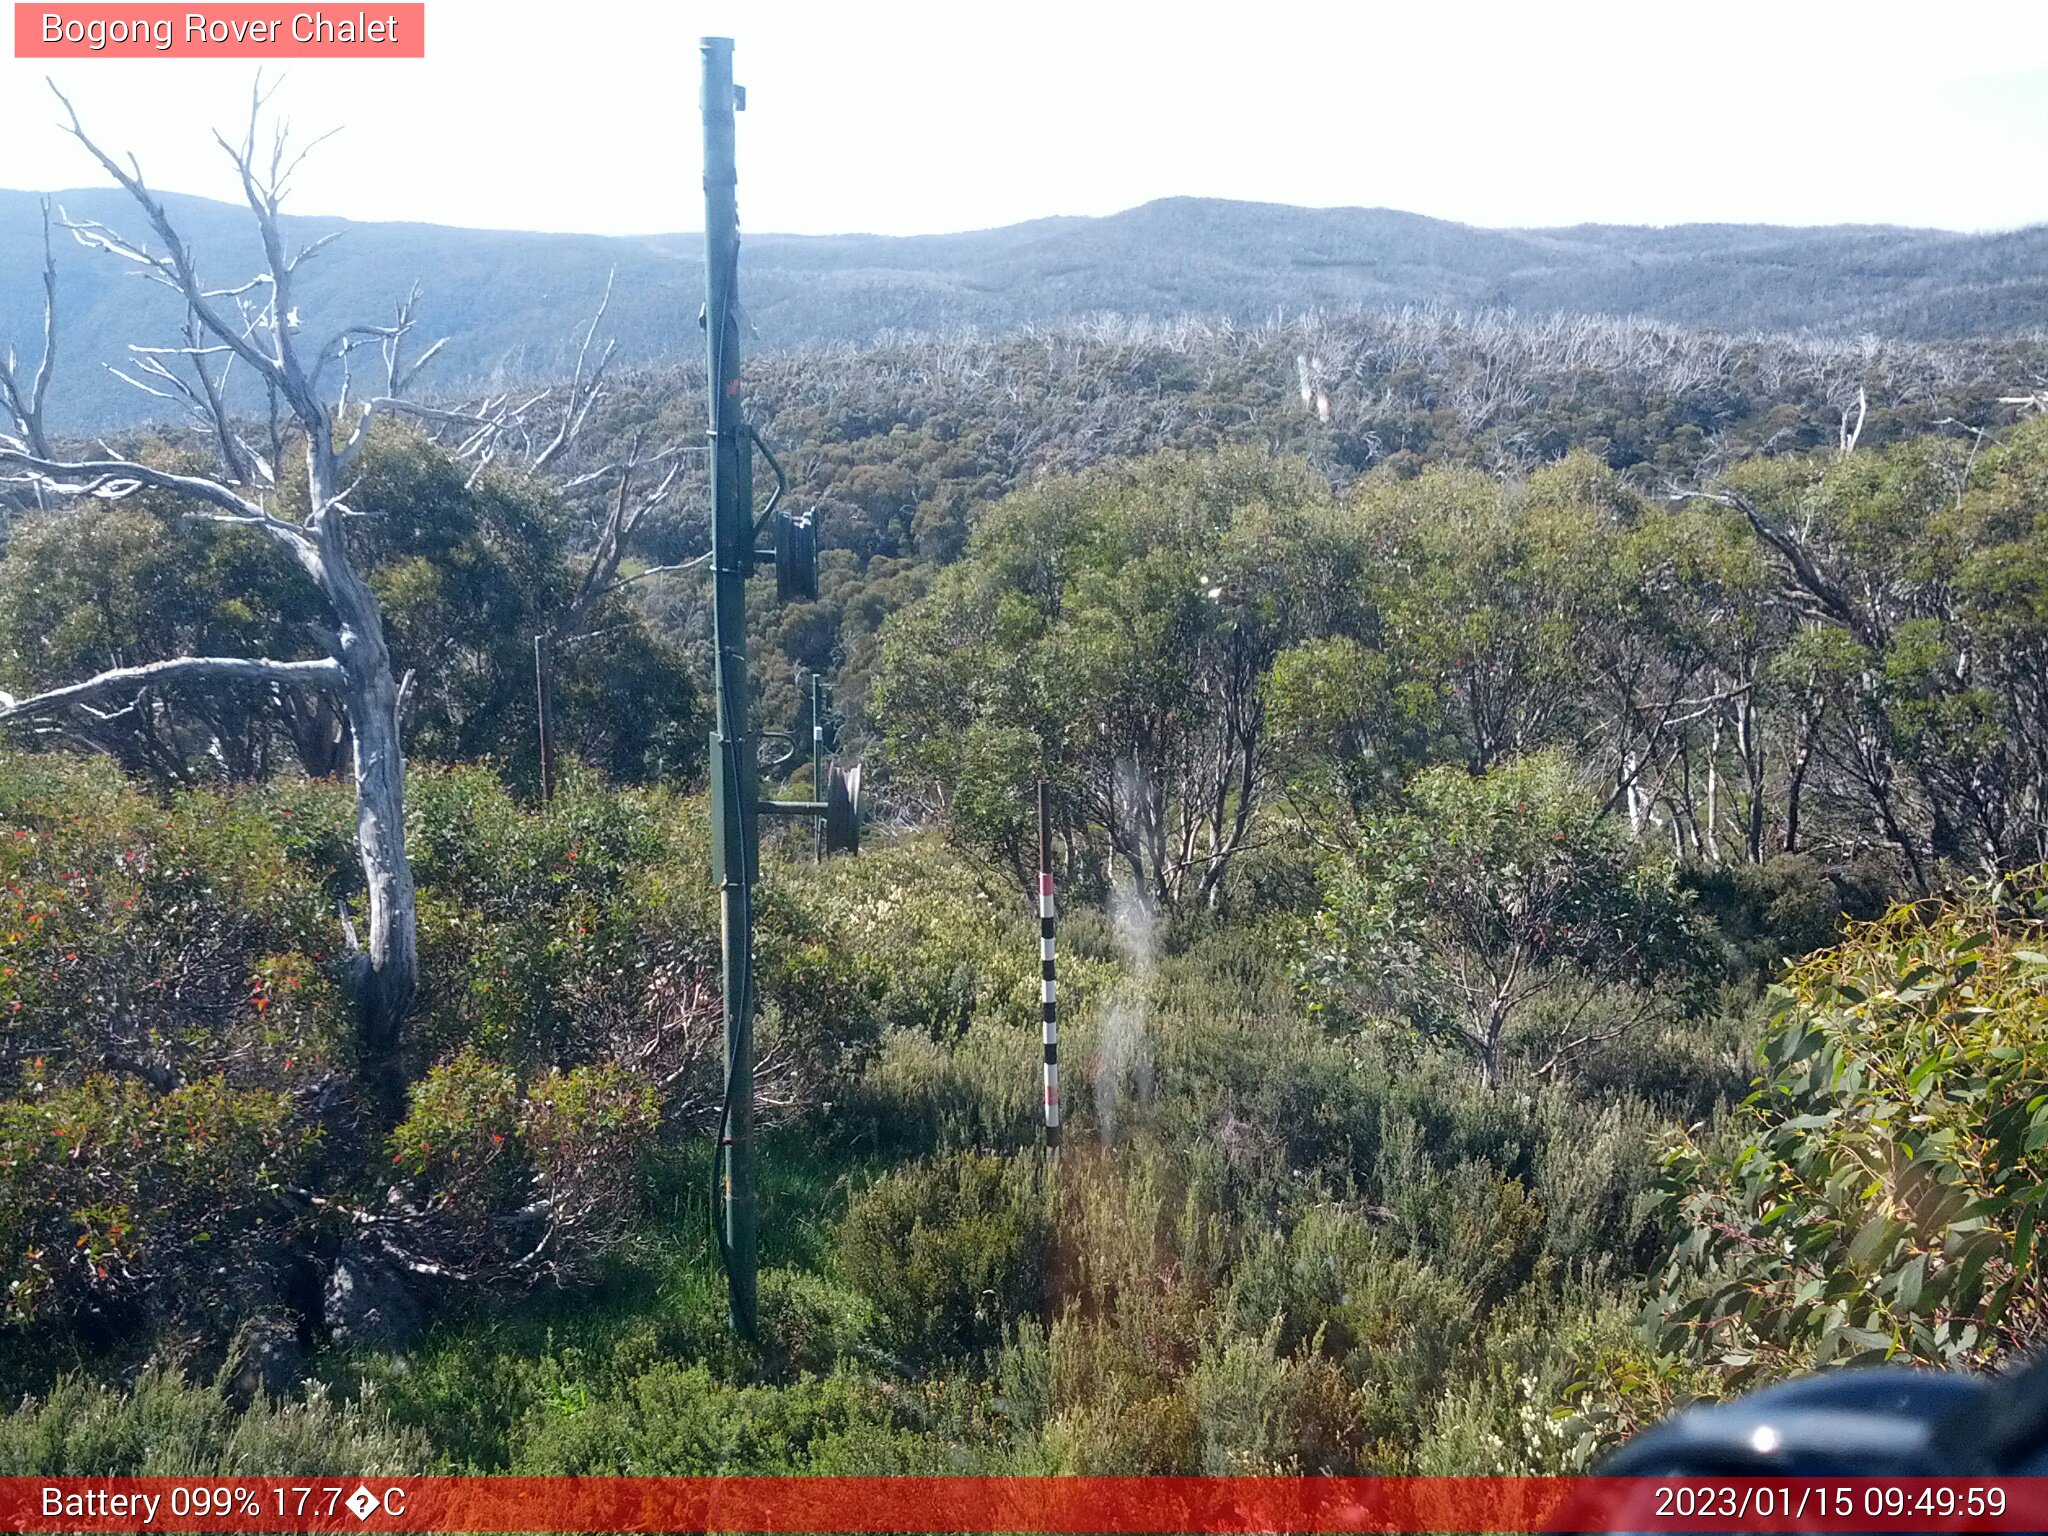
x: 512, y: 302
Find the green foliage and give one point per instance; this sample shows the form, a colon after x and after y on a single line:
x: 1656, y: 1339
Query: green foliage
x: 482, y: 1161
x: 950, y: 1253
x: 589, y: 931
x: 1474, y: 900
x: 1116, y: 633
x: 162, y: 997
x: 184, y: 929
x: 469, y: 569
x: 1878, y: 1196
x: 1484, y: 593
x: 166, y: 1427
x: 1352, y: 718
x: 119, y: 584
x: 981, y: 1090
x: 177, y: 1091
x: 938, y: 946
x: 679, y: 1421
x: 1396, y: 1326
x: 1562, y: 1379
x: 112, y: 1193
x: 1782, y: 909
x: 466, y: 571
x: 1263, y: 1414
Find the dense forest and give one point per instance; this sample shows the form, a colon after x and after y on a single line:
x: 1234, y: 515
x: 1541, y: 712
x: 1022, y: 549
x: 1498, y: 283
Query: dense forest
x: 1546, y: 809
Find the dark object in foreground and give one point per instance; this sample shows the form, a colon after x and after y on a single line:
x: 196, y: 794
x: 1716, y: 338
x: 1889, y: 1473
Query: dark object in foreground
x: 1856, y: 1423
x: 1881, y: 1422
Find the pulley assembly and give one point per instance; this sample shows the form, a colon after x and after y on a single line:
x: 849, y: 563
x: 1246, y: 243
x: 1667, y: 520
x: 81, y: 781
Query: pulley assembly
x: 842, y: 809
x: 796, y: 556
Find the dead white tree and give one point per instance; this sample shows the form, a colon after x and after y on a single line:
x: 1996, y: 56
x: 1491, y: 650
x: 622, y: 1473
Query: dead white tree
x: 255, y: 324
x: 532, y: 430
x: 1849, y: 435
x: 25, y: 400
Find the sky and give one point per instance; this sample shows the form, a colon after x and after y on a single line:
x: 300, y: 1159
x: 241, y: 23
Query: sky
x: 903, y: 117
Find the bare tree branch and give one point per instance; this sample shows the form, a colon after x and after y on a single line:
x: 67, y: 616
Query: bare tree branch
x: 174, y: 266
x: 116, y: 479
x: 322, y: 673
x: 1812, y: 581
x: 583, y: 393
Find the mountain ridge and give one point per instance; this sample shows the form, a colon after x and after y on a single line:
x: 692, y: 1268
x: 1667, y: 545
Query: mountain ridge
x: 512, y: 302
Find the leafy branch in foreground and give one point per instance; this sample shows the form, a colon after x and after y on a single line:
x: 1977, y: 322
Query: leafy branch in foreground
x: 1882, y: 1195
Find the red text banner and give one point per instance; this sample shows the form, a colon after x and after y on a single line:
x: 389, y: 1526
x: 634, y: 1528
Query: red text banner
x: 1032, y: 1504
x: 225, y: 31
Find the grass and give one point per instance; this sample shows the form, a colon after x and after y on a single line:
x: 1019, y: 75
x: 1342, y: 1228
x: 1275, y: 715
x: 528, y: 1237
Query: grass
x: 491, y: 1361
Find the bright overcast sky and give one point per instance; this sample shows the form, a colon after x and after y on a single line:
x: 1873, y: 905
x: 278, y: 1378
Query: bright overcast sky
x: 906, y: 118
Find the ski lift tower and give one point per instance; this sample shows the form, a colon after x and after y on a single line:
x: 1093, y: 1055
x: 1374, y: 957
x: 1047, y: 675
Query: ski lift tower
x: 736, y: 806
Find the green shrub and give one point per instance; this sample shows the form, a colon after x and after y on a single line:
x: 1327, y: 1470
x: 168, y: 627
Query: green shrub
x: 182, y: 1128
x: 110, y: 1192
x: 937, y: 948
x: 1396, y: 1327
x: 1880, y: 1194
x: 1461, y: 910
x: 1785, y: 907
x: 922, y: 1095
x: 950, y: 1253
x: 1157, y: 1436
x: 679, y: 1421
x: 1142, y: 1224
x: 166, y: 1427
x: 1557, y: 1379
x: 166, y: 939
x: 1264, y: 1413
x: 497, y: 1182
x: 811, y: 1324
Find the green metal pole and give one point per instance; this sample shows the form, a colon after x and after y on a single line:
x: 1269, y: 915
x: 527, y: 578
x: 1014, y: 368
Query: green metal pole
x: 732, y: 767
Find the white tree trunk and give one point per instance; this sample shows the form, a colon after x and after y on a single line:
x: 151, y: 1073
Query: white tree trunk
x: 358, y: 670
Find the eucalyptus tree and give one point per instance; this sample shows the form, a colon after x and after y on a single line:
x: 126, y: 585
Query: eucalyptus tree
x: 1911, y: 578
x: 1505, y: 914
x: 1117, y: 632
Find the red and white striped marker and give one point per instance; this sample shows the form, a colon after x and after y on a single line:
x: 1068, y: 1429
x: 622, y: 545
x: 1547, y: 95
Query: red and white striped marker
x: 1048, y: 982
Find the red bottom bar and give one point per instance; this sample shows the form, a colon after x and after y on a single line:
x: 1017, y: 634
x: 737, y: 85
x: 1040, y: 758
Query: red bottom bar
x: 1023, y: 1504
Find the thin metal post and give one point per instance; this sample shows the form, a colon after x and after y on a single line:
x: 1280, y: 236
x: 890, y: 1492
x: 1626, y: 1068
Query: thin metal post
x: 544, y: 707
x: 732, y: 767
x: 1048, y: 984
x: 818, y: 763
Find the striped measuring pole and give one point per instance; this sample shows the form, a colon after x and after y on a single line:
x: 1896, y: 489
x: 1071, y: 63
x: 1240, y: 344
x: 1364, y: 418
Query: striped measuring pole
x: 1049, y: 983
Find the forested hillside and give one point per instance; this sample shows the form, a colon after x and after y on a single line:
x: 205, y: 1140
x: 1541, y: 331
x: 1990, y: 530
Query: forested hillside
x: 509, y: 301
x: 1539, y: 804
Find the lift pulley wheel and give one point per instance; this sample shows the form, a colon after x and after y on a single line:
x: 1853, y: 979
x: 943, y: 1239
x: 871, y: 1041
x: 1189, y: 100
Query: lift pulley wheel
x: 842, y: 809
x: 796, y: 557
